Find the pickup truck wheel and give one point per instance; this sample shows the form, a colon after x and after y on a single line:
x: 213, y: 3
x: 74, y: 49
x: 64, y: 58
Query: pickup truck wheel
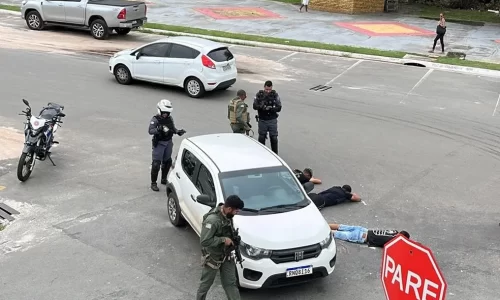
x: 174, y: 210
x: 122, y: 74
x: 99, y: 29
x: 122, y: 31
x: 34, y: 20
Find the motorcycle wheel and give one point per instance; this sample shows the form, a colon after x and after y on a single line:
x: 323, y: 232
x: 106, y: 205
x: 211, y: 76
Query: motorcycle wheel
x: 24, y: 166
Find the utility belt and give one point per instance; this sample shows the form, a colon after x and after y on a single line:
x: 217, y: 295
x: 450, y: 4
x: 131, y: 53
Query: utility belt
x: 207, y: 260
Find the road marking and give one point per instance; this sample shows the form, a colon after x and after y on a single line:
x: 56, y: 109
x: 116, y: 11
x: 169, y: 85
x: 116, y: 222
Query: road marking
x: 416, y: 85
x: 289, y: 55
x: 496, y: 106
x: 336, y: 77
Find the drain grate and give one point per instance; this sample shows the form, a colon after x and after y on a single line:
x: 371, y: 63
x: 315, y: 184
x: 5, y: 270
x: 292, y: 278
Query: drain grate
x: 6, y: 212
x: 320, y: 88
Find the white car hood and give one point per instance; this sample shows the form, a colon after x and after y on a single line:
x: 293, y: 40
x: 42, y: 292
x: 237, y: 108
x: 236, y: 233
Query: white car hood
x: 123, y: 52
x: 301, y: 227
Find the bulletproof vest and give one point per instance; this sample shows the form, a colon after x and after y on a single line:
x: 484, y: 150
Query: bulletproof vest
x: 169, y: 122
x: 231, y: 110
x: 267, y: 100
x: 379, y: 237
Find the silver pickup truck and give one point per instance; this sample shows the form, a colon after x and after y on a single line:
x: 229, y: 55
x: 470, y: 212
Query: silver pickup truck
x: 100, y: 16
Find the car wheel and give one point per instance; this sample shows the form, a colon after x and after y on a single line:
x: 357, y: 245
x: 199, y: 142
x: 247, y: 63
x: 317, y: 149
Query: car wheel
x: 194, y: 88
x: 174, y: 210
x: 99, y: 29
x: 122, y: 31
x: 122, y: 74
x: 34, y: 20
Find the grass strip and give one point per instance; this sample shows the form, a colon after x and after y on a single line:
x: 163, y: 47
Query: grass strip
x: 459, y: 15
x: 10, y: 7
x: 278, y: 41
x: 468, y: 63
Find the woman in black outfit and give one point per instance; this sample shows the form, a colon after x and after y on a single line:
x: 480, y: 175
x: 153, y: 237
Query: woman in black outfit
x: 440, y: 32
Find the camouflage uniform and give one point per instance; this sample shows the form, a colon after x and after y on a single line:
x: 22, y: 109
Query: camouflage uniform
x: 238, y: 115
x: 215, y: 228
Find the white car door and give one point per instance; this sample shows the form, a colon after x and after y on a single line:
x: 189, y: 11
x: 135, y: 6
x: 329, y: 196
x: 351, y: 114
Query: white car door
x: 186, y: 175
x: 53, y: 11
x: 149, y: 61
x: 179, y: 61
x: 75, y: 12
x: 204, y: 184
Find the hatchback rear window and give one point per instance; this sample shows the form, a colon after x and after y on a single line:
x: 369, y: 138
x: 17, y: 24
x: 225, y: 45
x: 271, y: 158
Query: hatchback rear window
x: 220, y: 54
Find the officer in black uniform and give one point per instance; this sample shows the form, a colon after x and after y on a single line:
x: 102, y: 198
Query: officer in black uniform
x: 267, y: 103
x: 162, y: 129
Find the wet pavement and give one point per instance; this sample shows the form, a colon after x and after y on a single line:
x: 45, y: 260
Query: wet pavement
x: 283, y: 20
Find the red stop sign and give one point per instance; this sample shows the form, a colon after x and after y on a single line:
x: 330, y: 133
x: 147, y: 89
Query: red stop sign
x: 410, y: 272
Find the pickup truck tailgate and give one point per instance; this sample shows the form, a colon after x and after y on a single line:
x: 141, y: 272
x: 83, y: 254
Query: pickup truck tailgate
x: 136, y: 11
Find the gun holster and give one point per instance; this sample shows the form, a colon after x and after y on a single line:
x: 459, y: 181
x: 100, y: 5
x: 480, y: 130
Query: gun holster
x: 154, y: 141
x: 257, y: 118
x: 207, y: 260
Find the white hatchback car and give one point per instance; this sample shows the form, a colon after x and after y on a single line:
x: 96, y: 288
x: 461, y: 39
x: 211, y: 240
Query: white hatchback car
x: 284, y: 238
x: 198, y: 65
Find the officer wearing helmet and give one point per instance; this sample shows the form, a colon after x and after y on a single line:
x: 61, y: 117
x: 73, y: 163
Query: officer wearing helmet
x: 162, y: 129
x: 267, y: 103
x: 237, y: 113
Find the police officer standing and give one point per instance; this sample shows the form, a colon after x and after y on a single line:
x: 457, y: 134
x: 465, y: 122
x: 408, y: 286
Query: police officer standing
x: 268, y: 104
x: 162, y: 129
x: 215, y: 238
x: 238, y: 113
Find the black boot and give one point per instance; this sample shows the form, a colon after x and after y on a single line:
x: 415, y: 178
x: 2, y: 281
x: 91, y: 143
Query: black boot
x: 274, y: 145
x: 155, y: 168
x: 165, y: 168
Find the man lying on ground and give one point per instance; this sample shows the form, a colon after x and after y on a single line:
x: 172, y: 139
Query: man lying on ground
x: 362, y: 235
x: 306, y: 179
x: 333, y: 196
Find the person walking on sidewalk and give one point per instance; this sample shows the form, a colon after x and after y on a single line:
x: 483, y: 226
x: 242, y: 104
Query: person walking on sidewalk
x: 304, y: 3
x: 440, y: 32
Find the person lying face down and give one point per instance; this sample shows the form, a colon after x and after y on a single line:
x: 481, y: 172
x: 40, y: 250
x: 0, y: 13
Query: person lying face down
x: 333, y: 196
x: 306, y: 179
x: 362, y: 235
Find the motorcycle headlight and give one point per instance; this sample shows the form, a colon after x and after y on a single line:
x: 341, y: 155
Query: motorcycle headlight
x: 327, y: 241
x: 254, y: 252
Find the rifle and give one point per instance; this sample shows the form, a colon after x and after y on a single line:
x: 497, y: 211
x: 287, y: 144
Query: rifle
x: 236, y: 245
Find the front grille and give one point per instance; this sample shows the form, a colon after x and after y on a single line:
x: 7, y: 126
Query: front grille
x: 288, y: 255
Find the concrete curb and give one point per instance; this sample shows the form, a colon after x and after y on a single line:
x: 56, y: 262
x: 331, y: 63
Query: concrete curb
x: 432, y: 65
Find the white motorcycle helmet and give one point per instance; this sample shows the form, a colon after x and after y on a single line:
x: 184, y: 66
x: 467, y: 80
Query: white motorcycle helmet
x: 164, y: 106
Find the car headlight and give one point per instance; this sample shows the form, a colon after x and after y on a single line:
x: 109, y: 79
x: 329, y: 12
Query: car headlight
x: 254, y: 252
x: 327, y: 241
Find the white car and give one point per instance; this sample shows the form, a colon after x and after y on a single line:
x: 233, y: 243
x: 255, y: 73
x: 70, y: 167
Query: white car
x: 198, y: 65
x: 284, y: 238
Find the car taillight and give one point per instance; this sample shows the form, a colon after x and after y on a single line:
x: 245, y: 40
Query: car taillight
x: 122, y: 15
x: 207, y: 62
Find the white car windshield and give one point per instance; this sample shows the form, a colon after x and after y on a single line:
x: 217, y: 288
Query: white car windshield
x: 273, y: 189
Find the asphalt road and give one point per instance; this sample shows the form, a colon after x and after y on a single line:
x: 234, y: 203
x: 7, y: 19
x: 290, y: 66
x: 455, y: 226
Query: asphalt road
x: 421, y: 148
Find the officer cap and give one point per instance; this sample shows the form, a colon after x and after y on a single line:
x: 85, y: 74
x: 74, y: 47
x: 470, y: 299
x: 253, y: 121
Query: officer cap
x: 233, y: 201
x: 241, y: 93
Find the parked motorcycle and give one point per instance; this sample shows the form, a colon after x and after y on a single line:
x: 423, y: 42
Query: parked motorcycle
x: 38, y: 137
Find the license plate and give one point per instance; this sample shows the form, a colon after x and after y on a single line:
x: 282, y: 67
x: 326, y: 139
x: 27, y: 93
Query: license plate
x: 299, y: 271
x: 226, y: 67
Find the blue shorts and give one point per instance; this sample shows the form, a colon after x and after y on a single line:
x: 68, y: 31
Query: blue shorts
x: 353, y: 234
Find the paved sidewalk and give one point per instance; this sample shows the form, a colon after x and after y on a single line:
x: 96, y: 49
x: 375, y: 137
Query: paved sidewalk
x: 283, y: 20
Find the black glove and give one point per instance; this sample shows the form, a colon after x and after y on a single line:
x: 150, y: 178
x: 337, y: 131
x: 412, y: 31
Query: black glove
x: 181, y: 132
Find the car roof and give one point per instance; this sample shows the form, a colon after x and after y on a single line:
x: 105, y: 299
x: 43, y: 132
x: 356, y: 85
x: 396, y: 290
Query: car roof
x: 196, y: 42
x: 235, y: 152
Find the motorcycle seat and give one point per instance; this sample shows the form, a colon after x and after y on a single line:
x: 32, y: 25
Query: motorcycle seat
x: 49, y: 113
x: 56, y: 106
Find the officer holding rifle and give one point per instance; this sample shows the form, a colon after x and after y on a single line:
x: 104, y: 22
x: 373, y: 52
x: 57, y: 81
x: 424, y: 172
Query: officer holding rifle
x: 218, y: 239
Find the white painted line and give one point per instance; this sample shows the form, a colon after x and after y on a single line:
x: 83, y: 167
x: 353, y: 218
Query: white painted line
x: 336, y: 77
x: 418, y: 83
x: 496, y: 106
x: 289, y: 55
